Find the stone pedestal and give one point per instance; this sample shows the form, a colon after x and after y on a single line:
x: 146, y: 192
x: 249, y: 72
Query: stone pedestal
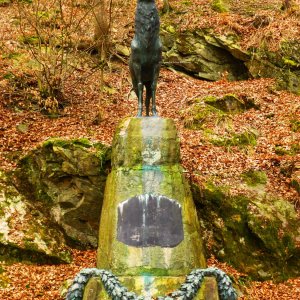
x: 149, y: 232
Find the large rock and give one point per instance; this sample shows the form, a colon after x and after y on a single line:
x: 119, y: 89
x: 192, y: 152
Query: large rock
x: 204, y: 54
x: 283, y: 65
x: 210, y: 56
x: 260, y: 236
x: 65, y: 180
x: 25, y: 233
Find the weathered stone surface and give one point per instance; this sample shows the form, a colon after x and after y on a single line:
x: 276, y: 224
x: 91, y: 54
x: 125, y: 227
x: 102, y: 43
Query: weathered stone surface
x: 230, y: 103
x: 145, y: 161
x: 137, y: 143
x: 65, y: 180
x: 209, y: 55
x: 156, y: 286
x: 25, y: 233
x: 286, y: 78
x: 204, y: 54
x: 259, y: 236
x: 150, y: 220
x: 145, y: 184
x: 211, y: 108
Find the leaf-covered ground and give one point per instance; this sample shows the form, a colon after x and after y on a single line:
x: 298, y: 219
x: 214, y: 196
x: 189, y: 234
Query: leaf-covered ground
x: 94, y: 115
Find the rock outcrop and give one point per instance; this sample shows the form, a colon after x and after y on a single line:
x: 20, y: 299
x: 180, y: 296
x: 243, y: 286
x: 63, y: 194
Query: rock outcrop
x: 204, y: 54
x: 25, y: 233
x: 259, y: 235
x: 65, y: 180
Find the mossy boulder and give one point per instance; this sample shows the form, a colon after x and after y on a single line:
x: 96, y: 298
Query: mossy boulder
x: 204, y: 54
x: 220, y: 5
x: 25, y: 233
x: 282, y: 64
x: 65, y: 180
x: 198, y: 114
x: 243, y: 139
x: 210, y: 55
x: 211, y: 108
x: 230, y: 103
x: 258, y: 235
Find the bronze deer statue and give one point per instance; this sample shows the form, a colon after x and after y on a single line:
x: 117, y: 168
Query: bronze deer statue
x: 146, y: 49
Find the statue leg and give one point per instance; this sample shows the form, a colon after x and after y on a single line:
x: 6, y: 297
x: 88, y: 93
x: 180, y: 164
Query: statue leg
x: 153, y: 88
x: 140, y: 99
x: 148, y: 97
x: 135, y: 72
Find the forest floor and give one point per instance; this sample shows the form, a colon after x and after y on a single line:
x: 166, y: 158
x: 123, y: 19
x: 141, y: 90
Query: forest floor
x: 93, y: 114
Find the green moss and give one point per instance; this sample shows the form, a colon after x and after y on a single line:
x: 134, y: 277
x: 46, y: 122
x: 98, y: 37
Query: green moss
x: 196, y: 116
x: 295, y: 125
x: 293, y: 150
x: 219, y: 6
x: 230, y: 103
x: 247, y: 138
x: 256, y: 235
x: 253, y: 177
x: 5, y: 2
x: 296, y: 185
x: 12, y: 253
x: 290, y: 63
x: 186, y: 2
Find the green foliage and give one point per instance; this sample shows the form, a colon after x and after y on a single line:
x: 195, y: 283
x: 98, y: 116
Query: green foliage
x: 253, y: 177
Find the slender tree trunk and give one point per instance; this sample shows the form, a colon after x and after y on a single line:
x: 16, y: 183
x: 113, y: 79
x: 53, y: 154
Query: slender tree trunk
x: 102, y: 26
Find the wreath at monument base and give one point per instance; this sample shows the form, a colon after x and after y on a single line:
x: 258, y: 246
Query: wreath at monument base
x: 187, y: 290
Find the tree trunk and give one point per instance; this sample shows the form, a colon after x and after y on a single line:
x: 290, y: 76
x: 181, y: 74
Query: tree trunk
x: 102, y: 26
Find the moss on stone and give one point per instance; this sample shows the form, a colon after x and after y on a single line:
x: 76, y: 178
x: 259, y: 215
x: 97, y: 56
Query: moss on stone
x: 219, y: 6
x: 58, y: 175
x: 198, y: 114
x: 146, y: 161
x: 295, y: 125
x: 257, y: 235
x: 255, y: 177
x: 247, y: 138
x: 229, y: 103
x: 293, y: 150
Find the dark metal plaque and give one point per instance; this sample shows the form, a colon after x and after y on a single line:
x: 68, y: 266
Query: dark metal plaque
x: 150, y: 220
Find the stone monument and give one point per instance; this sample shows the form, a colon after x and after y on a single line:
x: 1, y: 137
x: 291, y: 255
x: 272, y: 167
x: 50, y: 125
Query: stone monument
x: 149, y: 238
x: 149, y: 231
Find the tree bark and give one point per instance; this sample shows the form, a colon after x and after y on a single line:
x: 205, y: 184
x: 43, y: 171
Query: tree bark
x: 102, y: 26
